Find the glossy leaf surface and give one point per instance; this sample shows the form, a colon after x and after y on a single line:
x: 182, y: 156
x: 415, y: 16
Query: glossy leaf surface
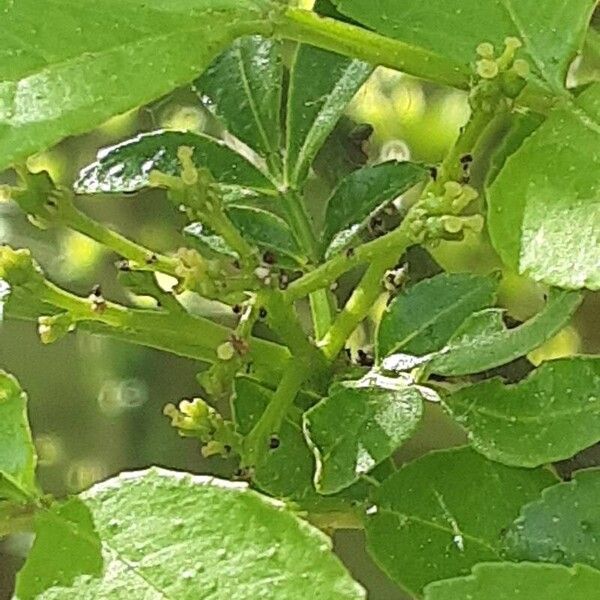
x: 243, y: 89
x: 321, y: 86
x: 544, y: 205
x: 362, y: 193
x: 357, y: 427
x: 127, y: 166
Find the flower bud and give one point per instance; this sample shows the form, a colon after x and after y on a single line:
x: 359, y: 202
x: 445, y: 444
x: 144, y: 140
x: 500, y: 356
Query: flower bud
x: 17, y: 267
x: 53, y: 328
x: 485, y: 50
x: 487, y: 69
x: 226, y: 351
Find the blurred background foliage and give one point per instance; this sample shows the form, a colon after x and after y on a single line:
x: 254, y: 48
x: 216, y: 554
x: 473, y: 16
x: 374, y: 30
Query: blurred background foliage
x: 96, y: 404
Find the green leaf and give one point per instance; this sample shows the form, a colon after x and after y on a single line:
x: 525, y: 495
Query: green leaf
x: 551, y: 37
x: 544, y: 204
x: 527, y: 581
x: 287, y: 472
x: 127, y: 166
x: 172, y: 535
x: 422, y: 318
x: 483, y: 341
x: 19, y: 303
x: 259, y: 227
x: 243, y: 89
x: 363, y: 193
x: 70, y: 67
x: 549, y: 416
x: 358, y: 426
x: 519, y: 128
x: 17, y: 453
x: 342, y: 152
x: 562, y: 526
x: 207, y: 242
x: 266, y: 230
x: 321, y: 86
x: 66, y: 546
x: 443, y: 513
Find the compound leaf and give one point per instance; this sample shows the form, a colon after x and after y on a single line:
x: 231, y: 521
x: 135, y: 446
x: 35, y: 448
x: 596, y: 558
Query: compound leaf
x: 242, y: 87
x: 321, y: 86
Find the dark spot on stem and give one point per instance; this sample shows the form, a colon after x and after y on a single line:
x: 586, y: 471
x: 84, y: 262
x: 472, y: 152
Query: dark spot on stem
x: 365, y: 359
x: 269, y: 258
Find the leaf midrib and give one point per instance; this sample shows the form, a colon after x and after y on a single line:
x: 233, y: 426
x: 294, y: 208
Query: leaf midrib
x: 426, y: 523
x: 251, y: 100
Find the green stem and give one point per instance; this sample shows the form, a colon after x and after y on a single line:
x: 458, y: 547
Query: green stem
x: 357, y: 307
x: 393, y: 243
x: 217, y: 220
x: 196, y: 335
x: 145, y: 259
x: 78, y: 221
x: 321, y: 304
x: 323, y: 312
x: 309, y: 28
x: 451, y: 168
x: 300, y: 223
x: 282, y: 318
x: 256, y: 443
x: 307, y: 362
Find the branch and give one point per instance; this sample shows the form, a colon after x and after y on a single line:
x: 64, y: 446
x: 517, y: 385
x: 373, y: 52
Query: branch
x: 343, y: 38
